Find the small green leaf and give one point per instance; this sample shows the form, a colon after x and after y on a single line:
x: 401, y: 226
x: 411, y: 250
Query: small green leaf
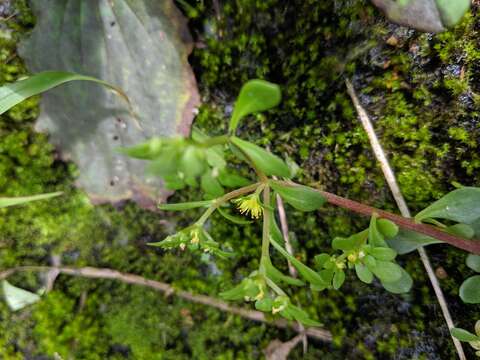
x: 147, y: 151
x: 308, y: 274
x: 264, y: 304
x: 185, y: 205
x: 387, y: 271
x: 470, y: 290
x: 401, y: 286
x: 4, y: 202
x: 301, y: 197
x: 383, y: 253
x: 338, y: 279
x: 17, y: 298
x: 235, y: 219
x: 363, y: 273
x: 236, y: 293
x: 264, y: 160
x: 255, y: 96
x: 375, y: 237
x: 211, y: 186
x: 462, y: 230
x: 232, y: 180
x: 14, y: 93
x: 460, y: 205
x: 463, y: 335
x: 301, y: 315
x: 277, y: 276
x: 407, y: 241
x: 473, y: 262
x: 345, y: 244
x: 321, y: 259
x: 388, y: 228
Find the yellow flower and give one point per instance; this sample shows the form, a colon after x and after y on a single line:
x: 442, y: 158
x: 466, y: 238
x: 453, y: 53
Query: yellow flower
x: 249, y: 205
x: 194, y: 235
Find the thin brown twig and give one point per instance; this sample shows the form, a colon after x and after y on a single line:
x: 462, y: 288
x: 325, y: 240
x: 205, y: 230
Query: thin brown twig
x: 167, y: 289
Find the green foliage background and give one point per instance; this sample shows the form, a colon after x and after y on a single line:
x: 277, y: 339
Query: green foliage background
x: 423, y: 93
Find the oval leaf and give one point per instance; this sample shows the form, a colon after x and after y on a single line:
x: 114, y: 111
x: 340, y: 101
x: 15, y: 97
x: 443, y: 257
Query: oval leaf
x: 255, y: 95
x: 401, y: 286
x: 264, y: 160
x: 301, y: 197
x: 452, y: 11
x: 470, y: 290
x: 388, y: 228
x: 363, y: 273
x: 463, y: 335
x: 383, y: 253
x: 387, y: 271
x: 473, y: 262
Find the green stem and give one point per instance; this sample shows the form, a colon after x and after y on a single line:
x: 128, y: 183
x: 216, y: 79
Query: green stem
x: 217, y: 140
x: 266, y: 228
x: 227, y: 197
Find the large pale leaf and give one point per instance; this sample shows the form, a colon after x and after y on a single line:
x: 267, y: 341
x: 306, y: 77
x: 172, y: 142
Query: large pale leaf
x: 140, y: 46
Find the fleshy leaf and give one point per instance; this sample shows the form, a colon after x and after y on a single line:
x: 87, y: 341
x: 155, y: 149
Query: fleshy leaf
x: 407, y: 241
x: 301, y: 197
x: 473, y: 262
x: 460, y: 205
x: 363, y: 273
x: 463, y: 335
x: 401, y: 286
x: 264, y: 160
x: 255, y: 96
x: 470, y: 290
x: 387, y: 271
x: 140, y: 46
x: 4, y: 202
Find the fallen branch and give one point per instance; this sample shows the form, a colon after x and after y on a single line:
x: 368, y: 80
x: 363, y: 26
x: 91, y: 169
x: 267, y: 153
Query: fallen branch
x: 168, y: 290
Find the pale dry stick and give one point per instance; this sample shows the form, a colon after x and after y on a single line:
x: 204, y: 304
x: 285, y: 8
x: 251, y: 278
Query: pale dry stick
x: 288, y: 246
x: 402, y: 205
x: 168, y: 290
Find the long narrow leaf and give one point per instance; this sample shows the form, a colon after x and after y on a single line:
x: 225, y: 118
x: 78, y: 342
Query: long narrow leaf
x: 14, y: 93
x: 185, y: 206
x: 4, y: 202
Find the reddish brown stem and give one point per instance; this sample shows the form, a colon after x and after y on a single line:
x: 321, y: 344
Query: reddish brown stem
x: 472, y: 246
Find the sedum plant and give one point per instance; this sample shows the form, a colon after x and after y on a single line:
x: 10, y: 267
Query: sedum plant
x: 201, y: 160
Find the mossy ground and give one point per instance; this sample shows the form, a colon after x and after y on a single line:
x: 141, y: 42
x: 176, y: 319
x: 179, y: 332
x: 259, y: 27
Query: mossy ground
x: 423, y: 94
